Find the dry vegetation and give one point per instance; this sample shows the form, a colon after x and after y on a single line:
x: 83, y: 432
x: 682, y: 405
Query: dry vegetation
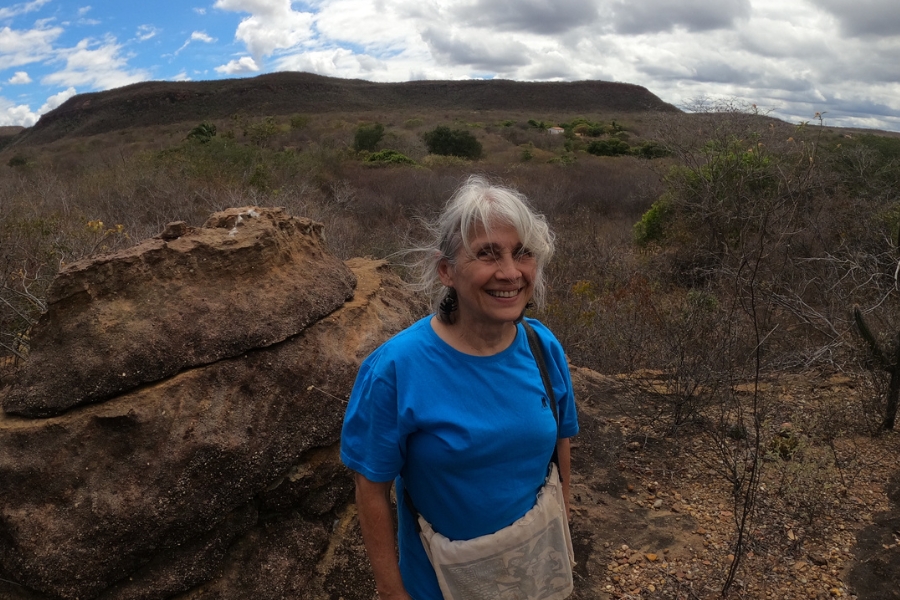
x: 754, y: 241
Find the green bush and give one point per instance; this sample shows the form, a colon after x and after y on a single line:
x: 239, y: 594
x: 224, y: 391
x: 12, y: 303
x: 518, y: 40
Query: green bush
x: 261, y: 178
x: 389, y: 157
x: 611, y: 147
x: 17, y: 161
x: 367, y: 137
x: 651, y: 226
x: 650, y: 150
x: 565, y: 160
x: 202, y: 132
x: 456, y: 142
x: 299, y: 121
x: 262, y: 131
x: 583, y: 126
x: 887, y: 147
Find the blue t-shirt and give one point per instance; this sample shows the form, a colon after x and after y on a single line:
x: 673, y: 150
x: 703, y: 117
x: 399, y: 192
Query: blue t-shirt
x: 469, y: 436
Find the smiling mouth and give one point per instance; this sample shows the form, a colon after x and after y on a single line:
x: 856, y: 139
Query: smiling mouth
x: 503, y: 294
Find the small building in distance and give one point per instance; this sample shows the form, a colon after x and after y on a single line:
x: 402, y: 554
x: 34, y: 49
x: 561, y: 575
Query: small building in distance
x: 556, y: 130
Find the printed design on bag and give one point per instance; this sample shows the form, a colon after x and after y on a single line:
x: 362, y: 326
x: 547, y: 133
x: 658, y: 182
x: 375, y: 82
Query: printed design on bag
x: 532, y: 570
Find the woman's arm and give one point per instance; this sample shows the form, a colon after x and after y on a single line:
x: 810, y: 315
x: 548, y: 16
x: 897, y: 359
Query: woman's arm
x: 564, y: 453
x: 376, y: 520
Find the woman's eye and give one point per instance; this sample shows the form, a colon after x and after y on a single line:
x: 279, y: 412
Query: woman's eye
x: 524, y: 254
x: 486, y: 255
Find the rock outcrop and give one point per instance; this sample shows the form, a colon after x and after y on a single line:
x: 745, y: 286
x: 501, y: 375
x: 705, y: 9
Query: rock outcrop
x: 249, y: 278
x: 210, y: 468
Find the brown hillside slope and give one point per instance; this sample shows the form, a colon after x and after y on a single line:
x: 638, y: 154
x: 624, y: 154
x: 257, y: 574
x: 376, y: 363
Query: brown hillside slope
x: 161, y: 102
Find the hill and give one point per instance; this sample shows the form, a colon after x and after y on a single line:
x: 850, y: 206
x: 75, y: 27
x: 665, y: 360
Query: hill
x: 160, y: 102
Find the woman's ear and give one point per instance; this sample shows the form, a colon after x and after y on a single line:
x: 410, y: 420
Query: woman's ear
x: 445, y: 272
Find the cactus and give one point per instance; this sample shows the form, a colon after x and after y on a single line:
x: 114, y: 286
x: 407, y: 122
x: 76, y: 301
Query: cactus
x: 887, y: 361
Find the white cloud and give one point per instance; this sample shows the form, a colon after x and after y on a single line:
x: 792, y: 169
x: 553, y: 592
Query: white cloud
x: 865, y: 17
x: 201, y: 36
x: 182, y: 76
x: 197, y: 36
x: 18, y: 47
x: 19, y: 78
x: 21, y: 114
x: 533, y: 16
x: 381, y: 28
x: 651, y: 16
x: 200, y: 11
x: 272, y: 25
x: 146, y: 32
x: 56, y: 100
x: 245, y: 64
x: 501, y: 54
x: 84, y: 10
x: 98, y: 67
x: 16, y: 114
x: 333, y: 63
x: 21, y: 9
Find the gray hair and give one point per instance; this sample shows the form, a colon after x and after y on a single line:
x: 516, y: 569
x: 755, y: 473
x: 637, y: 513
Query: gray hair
x: 478, y: 203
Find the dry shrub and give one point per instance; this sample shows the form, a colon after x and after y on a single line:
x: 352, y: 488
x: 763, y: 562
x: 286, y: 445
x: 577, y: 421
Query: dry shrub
x: 806, y: 483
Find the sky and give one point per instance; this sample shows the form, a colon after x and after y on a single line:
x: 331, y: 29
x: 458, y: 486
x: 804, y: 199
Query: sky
x: 790, y: 58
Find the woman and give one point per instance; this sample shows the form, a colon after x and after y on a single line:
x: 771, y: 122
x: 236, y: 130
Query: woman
x: 453, y: 408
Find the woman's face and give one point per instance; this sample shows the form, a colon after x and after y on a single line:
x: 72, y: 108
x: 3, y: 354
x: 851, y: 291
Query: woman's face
x: 494, y: 278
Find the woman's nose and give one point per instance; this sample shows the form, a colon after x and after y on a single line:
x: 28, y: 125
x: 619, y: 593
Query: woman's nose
x: 507, y: 267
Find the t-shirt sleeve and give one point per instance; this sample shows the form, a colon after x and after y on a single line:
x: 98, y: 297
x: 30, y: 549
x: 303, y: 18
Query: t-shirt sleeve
x: 568, y: 415
x: 561, y: 380
x: 370, y: 438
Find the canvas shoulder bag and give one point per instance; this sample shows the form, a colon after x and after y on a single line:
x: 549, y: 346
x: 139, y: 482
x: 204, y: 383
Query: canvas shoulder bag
x: 531, y: 559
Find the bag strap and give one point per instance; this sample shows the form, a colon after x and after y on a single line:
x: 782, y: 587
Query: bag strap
x: 538, y: 354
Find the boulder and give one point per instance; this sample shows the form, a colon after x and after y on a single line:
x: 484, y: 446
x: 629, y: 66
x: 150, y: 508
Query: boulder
x: 214, y: 472
x: 249, y: 278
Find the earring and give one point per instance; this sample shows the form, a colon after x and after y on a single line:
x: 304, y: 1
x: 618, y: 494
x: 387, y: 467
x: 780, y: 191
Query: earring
x: 448, y: 306
x: 522, y: 316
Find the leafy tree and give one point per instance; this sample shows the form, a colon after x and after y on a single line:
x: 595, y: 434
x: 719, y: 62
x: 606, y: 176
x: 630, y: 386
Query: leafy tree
x: 456, y: 142
x: 583, y: 126
x: 610, y: 147
x: 367, y: 137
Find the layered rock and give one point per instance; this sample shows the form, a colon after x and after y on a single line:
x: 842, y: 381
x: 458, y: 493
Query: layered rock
x: 249, y: 278
x: 228, y: 458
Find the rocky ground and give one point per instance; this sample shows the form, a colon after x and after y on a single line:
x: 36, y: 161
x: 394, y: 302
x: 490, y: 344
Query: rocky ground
x: 654, y: 517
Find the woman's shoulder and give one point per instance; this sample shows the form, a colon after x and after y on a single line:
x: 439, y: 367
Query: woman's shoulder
x: 553, y: 349
x: 407, y: 341
x: 543, y: 332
